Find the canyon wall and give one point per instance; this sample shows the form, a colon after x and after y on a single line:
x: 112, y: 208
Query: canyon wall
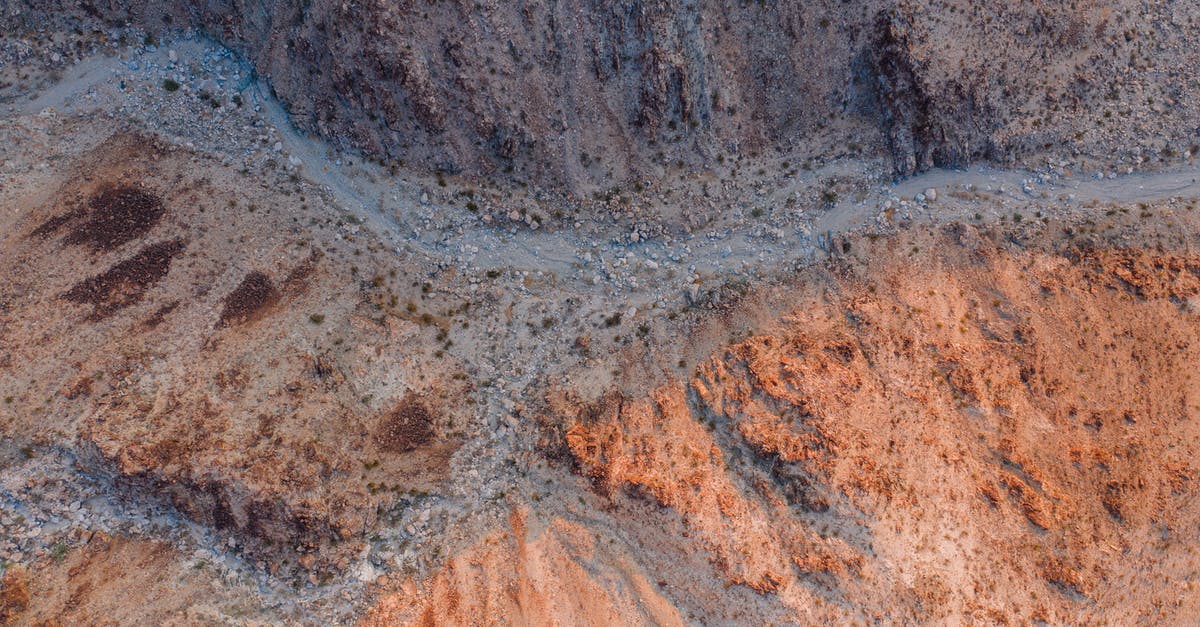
x: 578, y: 95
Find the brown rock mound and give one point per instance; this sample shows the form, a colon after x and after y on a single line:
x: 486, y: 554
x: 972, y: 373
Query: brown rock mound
x: 125, y: 283
x: 116, y: 215
x: 407, y: 427
x: 255, y: 293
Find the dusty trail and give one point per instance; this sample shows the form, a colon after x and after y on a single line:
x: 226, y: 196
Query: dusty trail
x: 734, y: 251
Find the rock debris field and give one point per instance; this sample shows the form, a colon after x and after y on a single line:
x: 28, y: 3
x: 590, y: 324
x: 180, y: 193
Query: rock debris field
x: 258, y: 368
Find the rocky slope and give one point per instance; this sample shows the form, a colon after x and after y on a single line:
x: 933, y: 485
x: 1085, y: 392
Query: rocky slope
x: 234, y: 385
x: 584, y: 95
x: 1006, y: 436
x: 248, y: 380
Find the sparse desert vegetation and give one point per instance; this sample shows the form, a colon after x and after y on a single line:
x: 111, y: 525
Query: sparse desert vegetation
x: 753, y: 314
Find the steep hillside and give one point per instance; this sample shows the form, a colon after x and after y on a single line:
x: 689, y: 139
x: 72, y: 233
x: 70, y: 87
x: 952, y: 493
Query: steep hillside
x: 1007, y: 435
x: 583, y: 95
x: 193, y: 342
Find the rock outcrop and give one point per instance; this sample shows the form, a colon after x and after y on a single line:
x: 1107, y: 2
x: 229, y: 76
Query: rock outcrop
x: 995, y: 436
x: 579, y: 95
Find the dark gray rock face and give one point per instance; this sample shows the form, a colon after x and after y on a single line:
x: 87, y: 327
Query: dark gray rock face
x: 578, y: 94
x: 565, y: 94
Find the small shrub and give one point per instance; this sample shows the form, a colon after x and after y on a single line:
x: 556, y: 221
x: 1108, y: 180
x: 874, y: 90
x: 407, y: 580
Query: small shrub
x: 59, y: 551
x: 170, y: 85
